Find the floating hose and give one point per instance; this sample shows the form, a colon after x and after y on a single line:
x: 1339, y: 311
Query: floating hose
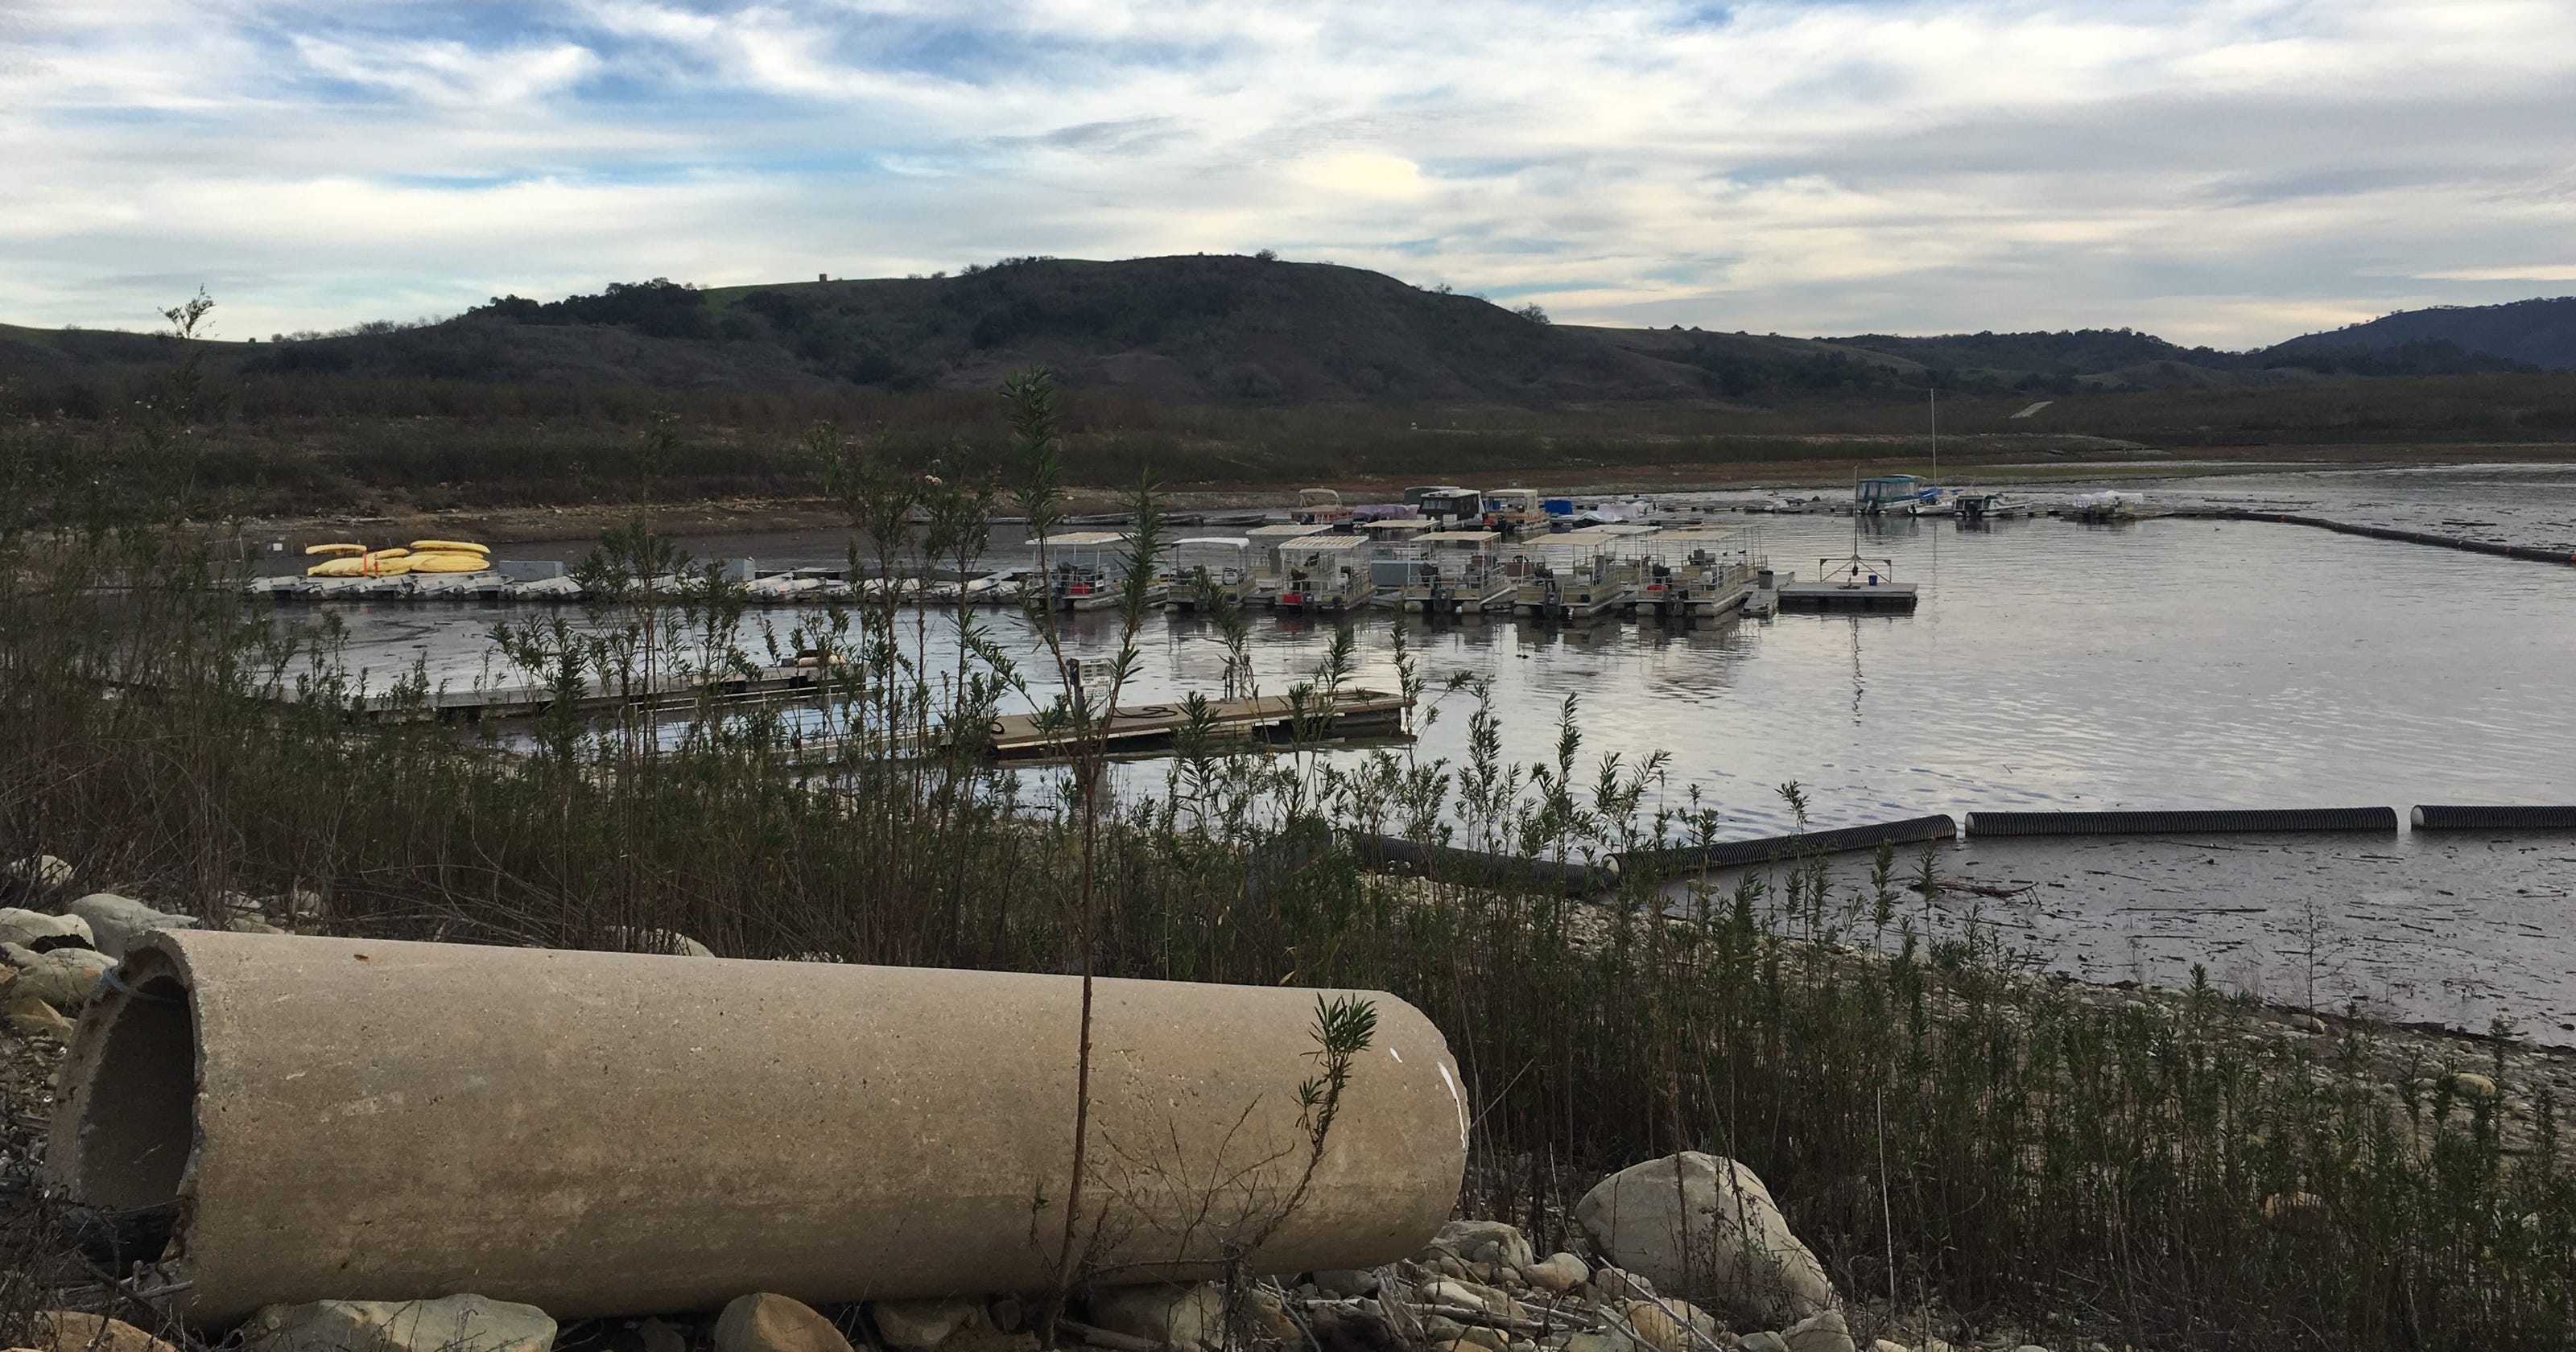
x: 2432, y: 817
x: 1771, y: 849
x: 1476, y: 866
x: 2179, y: 823
x: 2413, y: 537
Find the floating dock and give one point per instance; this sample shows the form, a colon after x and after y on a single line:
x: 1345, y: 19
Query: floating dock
x: 1149, y: 729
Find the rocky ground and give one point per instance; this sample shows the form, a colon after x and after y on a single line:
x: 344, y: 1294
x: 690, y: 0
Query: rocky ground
x: 1680, y: 1254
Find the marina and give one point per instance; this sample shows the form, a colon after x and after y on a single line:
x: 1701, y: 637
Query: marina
x: 2361, y: 669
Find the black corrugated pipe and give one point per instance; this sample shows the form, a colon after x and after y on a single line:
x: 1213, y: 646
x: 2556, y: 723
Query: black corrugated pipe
x: 1771, y: 849
x: 2447, y: 817
x: 1475, y: 866
x: 2184, y: 822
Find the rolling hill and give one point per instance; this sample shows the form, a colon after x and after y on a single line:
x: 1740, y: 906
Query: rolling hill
x: 2539, y: 332
x: 1223, y: 329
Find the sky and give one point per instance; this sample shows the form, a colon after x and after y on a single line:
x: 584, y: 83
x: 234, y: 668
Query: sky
x: 2230, y: 173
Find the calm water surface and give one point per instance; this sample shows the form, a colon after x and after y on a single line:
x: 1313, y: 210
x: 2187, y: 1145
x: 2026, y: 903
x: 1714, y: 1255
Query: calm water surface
x: 2163, y: 663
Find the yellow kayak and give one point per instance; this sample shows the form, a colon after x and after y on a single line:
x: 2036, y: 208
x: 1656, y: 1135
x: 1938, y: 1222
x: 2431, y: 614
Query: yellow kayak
x: 448, y: 561
x: 449, y: 547
x: 347, y: 567
x: 335, y: 549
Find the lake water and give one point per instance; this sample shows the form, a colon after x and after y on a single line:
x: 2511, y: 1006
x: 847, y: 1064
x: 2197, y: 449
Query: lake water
x: 2162, y: 663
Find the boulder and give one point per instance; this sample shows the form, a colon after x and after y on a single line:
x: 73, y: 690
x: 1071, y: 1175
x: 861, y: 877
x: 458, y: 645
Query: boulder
x: 24, y: 928
x: 1360, y: 1328
x: 62, y: 977
x: 1557, y: 1274
x: 31, y: 1017
x: 1765, y: 1341
x: 2475, y: 1086
x: 42, y: 872
x: 114, y: 921
x: 1485, y: 1242
x: 922, y: 1323
x: 460, y: 1323
x: 1468, y: 1295
x: 1655, y: 1329
x: 1172, y: 1315
x: 1823, y: 1331
x: 772, y: 1323
x: 1345, y: 1283
x: 1606, y: 1340
x: 1699, y: 1225
x: 73, y: 1331
x: 661, y: 1335
x: 1266, y: 1316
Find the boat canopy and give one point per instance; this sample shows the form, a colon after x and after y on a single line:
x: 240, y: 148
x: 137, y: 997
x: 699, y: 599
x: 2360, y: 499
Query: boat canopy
x: 1083, y: 539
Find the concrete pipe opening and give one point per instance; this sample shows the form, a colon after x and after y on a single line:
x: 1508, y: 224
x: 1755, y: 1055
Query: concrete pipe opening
x: 130, y: 1094
x: 611, y: 1133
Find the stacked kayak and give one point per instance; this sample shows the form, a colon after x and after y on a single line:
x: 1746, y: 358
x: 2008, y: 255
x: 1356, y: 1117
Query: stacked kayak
x: 424, y: 556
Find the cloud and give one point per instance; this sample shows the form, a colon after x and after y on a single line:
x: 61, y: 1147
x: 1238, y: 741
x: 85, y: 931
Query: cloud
x: 2226, y: 171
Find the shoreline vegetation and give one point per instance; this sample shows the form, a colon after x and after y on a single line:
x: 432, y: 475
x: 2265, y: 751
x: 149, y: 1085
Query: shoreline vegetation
x: 2162, y: 1170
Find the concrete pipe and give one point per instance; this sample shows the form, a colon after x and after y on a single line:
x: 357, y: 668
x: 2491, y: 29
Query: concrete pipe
x: 608, y: 1133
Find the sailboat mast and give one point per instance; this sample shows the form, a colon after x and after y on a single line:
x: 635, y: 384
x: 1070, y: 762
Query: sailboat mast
x: 1934, y: 392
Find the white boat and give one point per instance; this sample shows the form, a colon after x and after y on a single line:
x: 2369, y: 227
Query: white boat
x: 1695, y: 574
x: 1205, y: 570
x: 1976, y: 507
x: 1321, y: 508
x: 1573, y: 576
x: 1454, y: 572
x: 1086, y: 570
x: 1324, y: 573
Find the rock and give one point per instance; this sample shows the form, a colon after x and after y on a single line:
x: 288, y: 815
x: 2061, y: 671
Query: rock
x: 1611, y: 1285
x: 43, y: 872
x: 661, y: 1335
x: 774, y: 1323
x: 2476, y: 1086
x: 1699, y: 1225
x: 116, y: 921
x: 2307, y: 1023
x: 62, y: 978
x: 1885, y: 1345
x: 461, y: 1323
x: 1557, y: 1274
x: 1765, y: 1341
x: 1174, y: 1315
x: 295, y: 906
x: 1269, y: 1319
x: 32, y: 1017
x: 1440, y: 1328
x: 1823, y: 1331
x: 1345, y: 1283
x: 24, y: 928
x: 1468, y: 1294
x: 1344, y: 1328
x: 1485, y: 1242
x: 922, y: 1323
x: 251, y: 924
x: 668, y: 943
x: 1604, y: 1341
x: 1655, y: 1328
x: 73, y: 1331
